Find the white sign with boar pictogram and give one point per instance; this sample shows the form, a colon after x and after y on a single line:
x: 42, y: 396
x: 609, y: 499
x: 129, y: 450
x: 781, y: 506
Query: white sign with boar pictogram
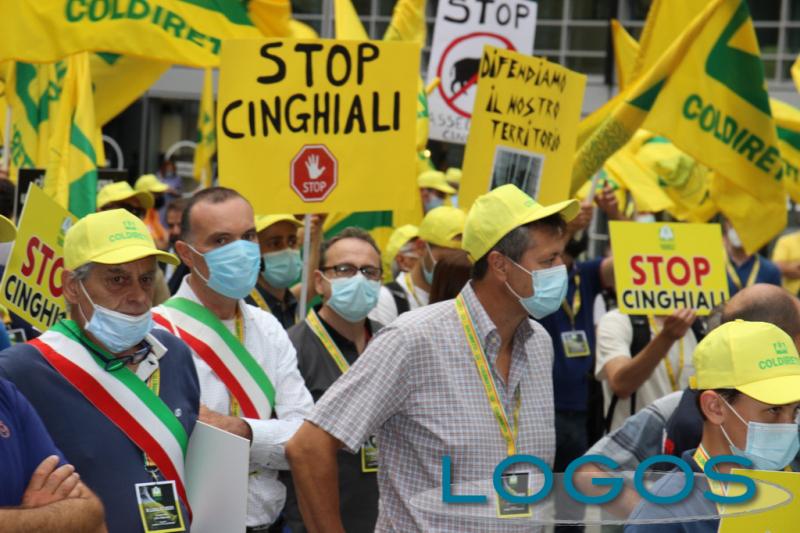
x: 462, y: 28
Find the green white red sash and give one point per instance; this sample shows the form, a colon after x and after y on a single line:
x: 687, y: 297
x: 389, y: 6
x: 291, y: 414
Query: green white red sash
x: 122, y: 397
x: 223, y: 352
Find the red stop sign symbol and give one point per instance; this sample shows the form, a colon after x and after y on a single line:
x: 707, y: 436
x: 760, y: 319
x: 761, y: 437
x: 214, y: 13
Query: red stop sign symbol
x: 314, y: 173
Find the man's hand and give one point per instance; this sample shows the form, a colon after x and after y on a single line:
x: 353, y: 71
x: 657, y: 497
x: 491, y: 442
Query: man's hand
x: 49, y: 484
x: 607, y: 201
x: 677, y: 324
x: 581, y: 221
x: 231, y: 424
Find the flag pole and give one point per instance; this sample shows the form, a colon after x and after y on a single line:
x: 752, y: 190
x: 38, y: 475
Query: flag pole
x: 326, y: 33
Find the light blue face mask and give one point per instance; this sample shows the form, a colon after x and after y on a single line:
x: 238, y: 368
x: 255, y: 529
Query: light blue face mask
x: 233, y: 268
x: 114, y: 330
x: 549, y: 290
x: 433, y: 202
x: 281, y: 269
x: 769, y: 446
x: 428, y: 275
x: 353, y: 298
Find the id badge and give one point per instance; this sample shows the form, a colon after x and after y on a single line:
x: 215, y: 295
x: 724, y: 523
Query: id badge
x: 575, y: 343
x: 17, y: 336
x: 159, y: 507
x: 369, y: 455
x: 516, y: 485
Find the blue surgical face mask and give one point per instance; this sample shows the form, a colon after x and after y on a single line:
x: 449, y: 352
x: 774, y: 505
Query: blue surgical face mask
x: 114, y: 330
x: 233, y: 268
x: 769, y: 446
x: 433, y: 202
x: 281, y: 269
x: 549, y: 290
x: 353, y: 298
x: 428, y: 275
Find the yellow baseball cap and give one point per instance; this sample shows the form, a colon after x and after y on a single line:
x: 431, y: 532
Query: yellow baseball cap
x: 110, y: 237
x: 755, y: 358
x: 265, y: 221
x: 496, y: 213
x: 434, y: 179
x: 398, y: 239
x: 120, y: 191
x: 8, y: 231
x: 453, y: 175
x: 443, y: 226
x: 150, y: 183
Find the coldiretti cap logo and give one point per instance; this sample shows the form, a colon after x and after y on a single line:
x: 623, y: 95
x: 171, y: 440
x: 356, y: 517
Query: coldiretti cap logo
x: 782, y: 360
x: 667, y: 238
x: 780, y: 348
x: 130, y: 231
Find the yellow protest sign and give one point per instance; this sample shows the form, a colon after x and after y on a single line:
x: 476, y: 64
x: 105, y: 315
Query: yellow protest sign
x: 312, y: 126
x: 524, y: 126
x: 777, y: 518
x: 31, y: 285
x: 663, y: 267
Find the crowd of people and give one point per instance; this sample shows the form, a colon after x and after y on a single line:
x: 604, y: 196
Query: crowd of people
x: 475, y: 335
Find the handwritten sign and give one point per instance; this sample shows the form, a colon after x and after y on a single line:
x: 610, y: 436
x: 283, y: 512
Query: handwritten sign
x: 523, y: 128
x: 319, y: 125
x: 662, y: 267
x: 31, y: 285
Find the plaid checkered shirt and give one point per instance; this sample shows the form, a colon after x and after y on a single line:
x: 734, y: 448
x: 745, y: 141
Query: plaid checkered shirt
x: 417, y: 388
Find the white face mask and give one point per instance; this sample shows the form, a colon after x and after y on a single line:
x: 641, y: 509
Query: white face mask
x: 734, y: 238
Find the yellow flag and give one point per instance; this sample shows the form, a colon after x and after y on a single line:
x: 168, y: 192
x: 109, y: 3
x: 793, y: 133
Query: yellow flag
x: 119, y: 80
x: 625, y: 51
x: 273, y: 18
x: 796, y: 73
x: 641, y: 181
x: 347, y: 25
x: 787, y: 125
x: 665, y: 20
x: 33, y: 93
x: 71, y: 177
x: 206, y: 132
x: 186, y: 33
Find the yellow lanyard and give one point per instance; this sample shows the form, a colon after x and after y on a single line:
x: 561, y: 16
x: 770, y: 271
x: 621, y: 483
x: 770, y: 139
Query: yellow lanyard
x: 260, y: 301
x: 412, y: 290
x: 322, y: 334
x: 735, y: 275
x: 154, y: 384
x: 575, y: 308
x: 236, y: 409
x: 673, y: 379
x: 508, y: 432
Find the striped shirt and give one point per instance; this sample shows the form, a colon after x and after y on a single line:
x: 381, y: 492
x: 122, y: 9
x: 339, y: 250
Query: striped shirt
x: 417, y: 388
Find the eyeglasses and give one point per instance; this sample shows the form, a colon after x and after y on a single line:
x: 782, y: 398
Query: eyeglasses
x: 346, y: 270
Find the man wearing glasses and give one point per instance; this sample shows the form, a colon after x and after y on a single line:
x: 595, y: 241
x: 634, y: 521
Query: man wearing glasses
x: 246, y: 364
x: 119, y: 400
x: 328, y: 341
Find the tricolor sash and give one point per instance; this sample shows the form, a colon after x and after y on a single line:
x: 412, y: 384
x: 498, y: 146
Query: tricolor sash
x: 122, y: 397
x: 223, y: 352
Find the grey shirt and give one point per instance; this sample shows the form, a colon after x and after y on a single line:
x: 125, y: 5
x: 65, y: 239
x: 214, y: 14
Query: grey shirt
x: 417, y: 388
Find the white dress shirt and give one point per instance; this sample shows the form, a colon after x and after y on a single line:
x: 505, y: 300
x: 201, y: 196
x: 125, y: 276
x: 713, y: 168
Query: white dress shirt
x: 267, y: 342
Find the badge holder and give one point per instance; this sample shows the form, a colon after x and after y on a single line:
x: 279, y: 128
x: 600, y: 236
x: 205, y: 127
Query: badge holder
x: 517, y: 485
x: 575, y: 343
x: 369, y: 455
x: 159, y: 507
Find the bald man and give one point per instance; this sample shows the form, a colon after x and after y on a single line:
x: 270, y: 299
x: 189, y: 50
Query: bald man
x: 673, y: 424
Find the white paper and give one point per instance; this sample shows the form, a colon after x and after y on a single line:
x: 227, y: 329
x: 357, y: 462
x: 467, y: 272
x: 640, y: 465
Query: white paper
x: 217, y: 464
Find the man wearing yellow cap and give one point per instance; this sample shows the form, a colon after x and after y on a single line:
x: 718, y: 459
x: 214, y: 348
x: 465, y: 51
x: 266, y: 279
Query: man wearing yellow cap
x: 748, y: 379
x: 281, y: 266
x: 468, y: 378
x: 119, y: 400
x: 246, y: 364
x: 433, y: 189
x: 151, y: 184
x: 439, y: 233
x: 120, y: 195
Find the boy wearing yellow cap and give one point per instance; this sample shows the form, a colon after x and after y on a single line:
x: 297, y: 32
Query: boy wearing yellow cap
x: 119, y: 400
x: 748, y: 378
x: 468, y: 378
x: 439, y: 234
